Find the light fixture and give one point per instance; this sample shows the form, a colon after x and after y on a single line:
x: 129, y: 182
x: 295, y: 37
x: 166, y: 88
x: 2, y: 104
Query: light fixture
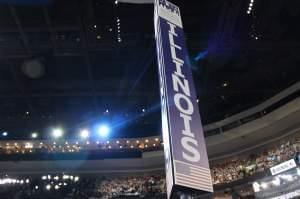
x: 104, y: 130
x: 34, y: 135
x: 84, y: 133
x: 225, y: 84
x: 48, y: 186
x: 57, y: 133
x: 4, y: 134
x: 116, y: 2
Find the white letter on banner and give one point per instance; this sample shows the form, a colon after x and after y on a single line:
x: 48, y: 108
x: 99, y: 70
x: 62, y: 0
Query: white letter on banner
x: 172, y: 29
x: 177, y: 82
x: 178, y: 68
x: 187, y: 127
x: 195, y: 155
x: 190, y: 107
x: 173, y: 45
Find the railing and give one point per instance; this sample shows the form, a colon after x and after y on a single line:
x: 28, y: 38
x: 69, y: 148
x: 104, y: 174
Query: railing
x: 254, y: 113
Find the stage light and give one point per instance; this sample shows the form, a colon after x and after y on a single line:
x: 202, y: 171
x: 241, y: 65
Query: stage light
x: 34, y: 135
x: 116, y: 2
x: 4, y: 134
x: 56, y: 187
x: 104, y: 130
x: 143, y: 110
x: 57, y: 133
x: 84, y: 134
x: 36, y: 187
x: 48, y: 186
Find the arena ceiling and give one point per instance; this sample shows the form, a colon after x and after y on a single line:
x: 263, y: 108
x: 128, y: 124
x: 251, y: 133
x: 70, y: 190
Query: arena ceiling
x: 64, y: 63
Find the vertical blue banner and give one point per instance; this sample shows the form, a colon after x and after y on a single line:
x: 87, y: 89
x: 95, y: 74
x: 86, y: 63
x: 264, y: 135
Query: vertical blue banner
x: 184, y: 144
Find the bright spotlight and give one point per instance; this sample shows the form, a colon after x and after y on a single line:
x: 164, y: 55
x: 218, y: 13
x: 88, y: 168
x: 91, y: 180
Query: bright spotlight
x: 84, y: 134
x: 57, y: 133
x: 104, y: 130
x: 48, y: 186
x: 4, y: 134
x: 34, y: 135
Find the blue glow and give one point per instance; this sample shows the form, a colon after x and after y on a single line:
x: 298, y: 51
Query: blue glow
x: 104, y: 130
x: 201, y: 55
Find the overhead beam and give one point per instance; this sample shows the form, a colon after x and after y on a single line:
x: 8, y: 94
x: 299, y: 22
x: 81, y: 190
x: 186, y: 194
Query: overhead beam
x: 50, y: 28
x: 20, y: 29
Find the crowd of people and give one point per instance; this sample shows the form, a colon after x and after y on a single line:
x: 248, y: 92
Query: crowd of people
x: 154, y: 185
x: 146, y: 186
x: 246, y: 165
x: 88, y: 186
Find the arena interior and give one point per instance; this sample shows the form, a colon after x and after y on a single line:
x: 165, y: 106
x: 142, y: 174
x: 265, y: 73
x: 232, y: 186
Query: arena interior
x: 80, y: 107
